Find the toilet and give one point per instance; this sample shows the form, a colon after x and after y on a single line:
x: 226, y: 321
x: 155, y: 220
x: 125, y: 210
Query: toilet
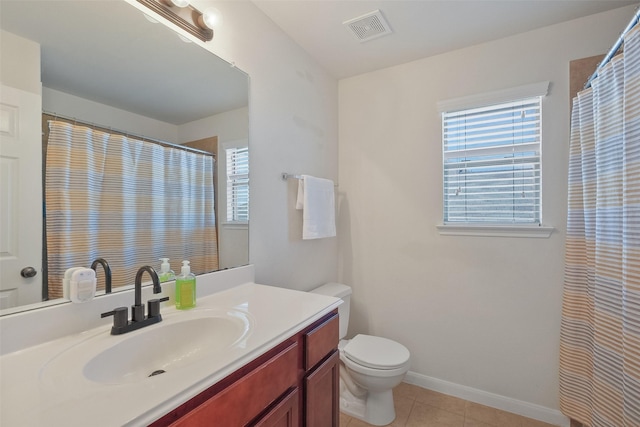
x: 370, y: 367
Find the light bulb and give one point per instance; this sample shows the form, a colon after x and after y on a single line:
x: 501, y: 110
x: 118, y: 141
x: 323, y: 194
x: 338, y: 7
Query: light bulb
x: 211, y: 18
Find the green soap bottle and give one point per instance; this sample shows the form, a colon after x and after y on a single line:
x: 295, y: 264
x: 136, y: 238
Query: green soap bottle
x: 166, y: 273
x: 185, y: 288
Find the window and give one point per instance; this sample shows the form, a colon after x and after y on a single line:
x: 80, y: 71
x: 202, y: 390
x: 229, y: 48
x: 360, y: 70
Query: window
x: 491, y: 162
x: 237, y: 160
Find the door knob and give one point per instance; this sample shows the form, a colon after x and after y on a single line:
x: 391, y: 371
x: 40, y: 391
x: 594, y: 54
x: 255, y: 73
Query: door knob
x: 28, y: 272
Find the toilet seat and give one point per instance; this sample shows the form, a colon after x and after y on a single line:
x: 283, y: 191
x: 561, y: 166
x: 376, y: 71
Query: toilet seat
x: 376, y: 352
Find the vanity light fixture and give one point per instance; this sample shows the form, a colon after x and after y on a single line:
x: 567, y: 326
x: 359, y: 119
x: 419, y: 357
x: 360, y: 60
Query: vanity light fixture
x: 184, y: 15
x: 150, y: 19
x: 177, y: 3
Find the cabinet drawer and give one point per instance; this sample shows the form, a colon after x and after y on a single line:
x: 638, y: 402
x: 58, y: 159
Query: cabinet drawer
x: 243, y: 400
x: 321, y: 340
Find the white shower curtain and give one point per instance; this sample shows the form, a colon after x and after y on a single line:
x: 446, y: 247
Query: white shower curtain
x: 600, y: 337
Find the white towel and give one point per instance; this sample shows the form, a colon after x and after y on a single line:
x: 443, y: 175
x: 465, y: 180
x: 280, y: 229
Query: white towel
x: 317, y: 201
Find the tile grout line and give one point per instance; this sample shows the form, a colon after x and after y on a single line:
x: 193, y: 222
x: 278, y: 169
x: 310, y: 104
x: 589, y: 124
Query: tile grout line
x: 413, y: 404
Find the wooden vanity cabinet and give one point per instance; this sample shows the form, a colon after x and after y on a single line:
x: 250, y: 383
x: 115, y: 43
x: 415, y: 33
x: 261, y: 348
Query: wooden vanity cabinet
x: 295, y: 384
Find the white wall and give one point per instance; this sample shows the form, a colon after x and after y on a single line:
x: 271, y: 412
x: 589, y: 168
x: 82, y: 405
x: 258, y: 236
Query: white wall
x: 293, y: 118
x: 229, y: 126
x: 20, y: 65
x: 57, y: 102
x: 480, y: 312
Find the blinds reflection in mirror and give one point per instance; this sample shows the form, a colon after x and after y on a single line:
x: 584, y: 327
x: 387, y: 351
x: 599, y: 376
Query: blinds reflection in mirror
x: 125, y: 200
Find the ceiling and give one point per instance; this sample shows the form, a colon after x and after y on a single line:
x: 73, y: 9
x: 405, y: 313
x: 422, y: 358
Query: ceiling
x: 421, y: 28
x: 103, y: 72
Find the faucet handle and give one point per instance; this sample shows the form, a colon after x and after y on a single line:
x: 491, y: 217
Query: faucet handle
x: 154, y: 306
x: 120, y: 316
x: 137, y: 313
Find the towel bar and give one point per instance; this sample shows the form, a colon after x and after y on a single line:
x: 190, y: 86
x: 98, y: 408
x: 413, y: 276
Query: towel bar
x: 285, y: 176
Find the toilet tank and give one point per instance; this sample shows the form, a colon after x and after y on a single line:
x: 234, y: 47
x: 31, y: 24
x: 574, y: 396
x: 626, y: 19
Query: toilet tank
x: 343, y: 292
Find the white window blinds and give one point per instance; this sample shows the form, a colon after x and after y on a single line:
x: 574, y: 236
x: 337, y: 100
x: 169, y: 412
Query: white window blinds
x: 492, y: 163
x: 237, y: 184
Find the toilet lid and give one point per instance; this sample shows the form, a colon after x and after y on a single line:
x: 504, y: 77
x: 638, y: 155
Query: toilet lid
x: 376, y: 352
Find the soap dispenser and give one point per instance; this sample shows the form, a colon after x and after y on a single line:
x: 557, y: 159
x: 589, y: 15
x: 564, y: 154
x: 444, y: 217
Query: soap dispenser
x: 166, y: 273
x: 185, y: 288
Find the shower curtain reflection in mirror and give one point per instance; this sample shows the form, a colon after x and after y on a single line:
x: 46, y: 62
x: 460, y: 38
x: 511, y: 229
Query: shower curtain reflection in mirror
x: 128, y: 201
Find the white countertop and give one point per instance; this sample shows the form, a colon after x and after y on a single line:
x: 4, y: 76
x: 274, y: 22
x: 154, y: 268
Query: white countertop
x: 29, y: 397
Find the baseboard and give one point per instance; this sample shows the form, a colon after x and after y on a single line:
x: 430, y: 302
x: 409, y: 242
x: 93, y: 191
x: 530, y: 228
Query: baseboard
x: 519, y: 407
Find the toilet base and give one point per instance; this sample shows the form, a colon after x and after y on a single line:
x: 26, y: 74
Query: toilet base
x: 375, y: 408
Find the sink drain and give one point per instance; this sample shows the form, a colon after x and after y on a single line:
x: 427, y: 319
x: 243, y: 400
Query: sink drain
x: 158, y: 372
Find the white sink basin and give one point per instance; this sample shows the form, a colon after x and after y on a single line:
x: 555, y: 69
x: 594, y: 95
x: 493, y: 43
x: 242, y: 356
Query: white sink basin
x: 179, y: 341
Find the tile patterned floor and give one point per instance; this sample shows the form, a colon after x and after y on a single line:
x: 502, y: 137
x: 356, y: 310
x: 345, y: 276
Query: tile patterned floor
x: 418, y: 407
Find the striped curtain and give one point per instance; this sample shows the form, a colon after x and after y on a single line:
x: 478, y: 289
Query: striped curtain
x: 128, y: 201
x: 600, y: 336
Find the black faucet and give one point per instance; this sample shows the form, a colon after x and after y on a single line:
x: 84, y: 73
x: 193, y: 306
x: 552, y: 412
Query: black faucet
x: 121, y: 324
x: 107, y: 273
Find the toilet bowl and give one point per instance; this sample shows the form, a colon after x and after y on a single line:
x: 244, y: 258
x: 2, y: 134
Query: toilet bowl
x: 370, y: 367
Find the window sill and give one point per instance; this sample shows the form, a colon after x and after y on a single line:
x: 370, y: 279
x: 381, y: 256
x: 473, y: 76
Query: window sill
x: 540, y: 232
x: 235, y: 225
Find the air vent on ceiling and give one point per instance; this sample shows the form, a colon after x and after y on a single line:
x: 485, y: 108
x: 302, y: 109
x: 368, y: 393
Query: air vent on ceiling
x: 369, y: 26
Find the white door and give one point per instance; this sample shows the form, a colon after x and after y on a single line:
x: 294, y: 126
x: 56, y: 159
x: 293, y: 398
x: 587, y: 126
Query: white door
x: 21, y: 204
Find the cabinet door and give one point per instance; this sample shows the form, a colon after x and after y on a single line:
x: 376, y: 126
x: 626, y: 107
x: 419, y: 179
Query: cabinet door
x: 322, y: 394
x: 283, y: 414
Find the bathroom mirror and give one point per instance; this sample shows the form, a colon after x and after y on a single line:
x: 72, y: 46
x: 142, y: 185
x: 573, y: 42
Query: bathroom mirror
x: 108, y: 64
